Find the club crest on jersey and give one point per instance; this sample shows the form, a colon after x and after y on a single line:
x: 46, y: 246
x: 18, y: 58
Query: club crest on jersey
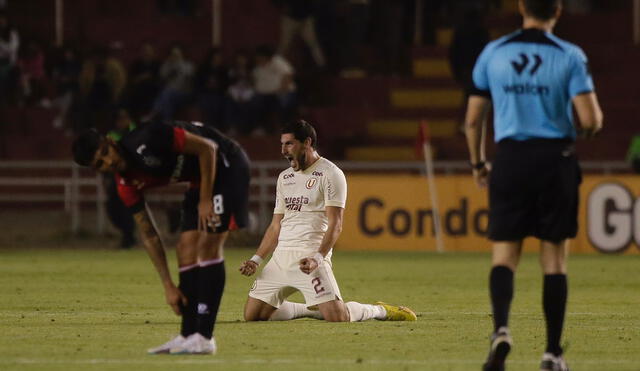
x: 310, y: 183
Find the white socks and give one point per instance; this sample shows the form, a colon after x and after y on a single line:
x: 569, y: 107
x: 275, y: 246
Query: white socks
x: 362, y: 312
x: 289, y: 310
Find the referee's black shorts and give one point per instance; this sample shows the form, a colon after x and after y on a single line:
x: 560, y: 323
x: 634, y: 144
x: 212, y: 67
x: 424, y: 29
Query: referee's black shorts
x: 230, y: 195
x: 533, y: 190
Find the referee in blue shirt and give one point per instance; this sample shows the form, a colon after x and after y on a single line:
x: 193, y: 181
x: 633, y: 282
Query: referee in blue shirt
x: 532, y: 79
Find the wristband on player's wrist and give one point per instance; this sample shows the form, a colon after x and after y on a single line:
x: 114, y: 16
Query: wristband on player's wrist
x: 257, y: 259
x: 319, y: 258
x: 478, y: 165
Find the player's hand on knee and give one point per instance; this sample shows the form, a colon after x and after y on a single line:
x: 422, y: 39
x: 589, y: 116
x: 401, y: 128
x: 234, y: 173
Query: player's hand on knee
x: 248, y: 268
x: 308, y: 265
x: 175, y: 299
x: 207, y: 217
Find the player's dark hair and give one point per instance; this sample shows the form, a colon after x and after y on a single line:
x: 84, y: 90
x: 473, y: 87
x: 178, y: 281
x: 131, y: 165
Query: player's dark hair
x: 85, y: 146
x: 542, y: 9
x: 301, y: 130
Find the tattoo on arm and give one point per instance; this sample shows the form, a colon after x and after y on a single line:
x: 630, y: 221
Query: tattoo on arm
x: 152, y: 243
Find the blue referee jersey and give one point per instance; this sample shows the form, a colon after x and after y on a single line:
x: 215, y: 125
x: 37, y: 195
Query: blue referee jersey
x: 531, y: 77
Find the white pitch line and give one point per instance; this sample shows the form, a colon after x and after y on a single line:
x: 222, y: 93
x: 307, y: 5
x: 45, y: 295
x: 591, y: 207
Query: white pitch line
x: 164, y: 360
x: 239, y: 315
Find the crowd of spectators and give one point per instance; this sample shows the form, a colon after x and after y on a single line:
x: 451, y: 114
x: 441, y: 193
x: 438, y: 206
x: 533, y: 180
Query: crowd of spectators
x: 244, y: 93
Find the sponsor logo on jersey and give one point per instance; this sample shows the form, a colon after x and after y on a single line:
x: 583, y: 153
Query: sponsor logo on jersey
x: 316, y: 173
x: 529, y: 89
x: 310, y: 183
x: 295, y: 203
x: 287, y: 176
x: 177, y: 170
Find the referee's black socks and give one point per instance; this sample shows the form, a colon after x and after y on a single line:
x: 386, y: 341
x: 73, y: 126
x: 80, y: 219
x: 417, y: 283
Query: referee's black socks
x: 554, y: 302
x: 189, y: 288
x: 501, y: 289
x: 211, y: 282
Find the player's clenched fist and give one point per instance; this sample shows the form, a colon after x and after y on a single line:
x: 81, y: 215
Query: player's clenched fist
x: 248, y: 267
x: 308, y: 265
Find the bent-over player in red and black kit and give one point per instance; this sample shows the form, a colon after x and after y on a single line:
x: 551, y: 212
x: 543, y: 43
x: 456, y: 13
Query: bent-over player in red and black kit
x: 217, y: 169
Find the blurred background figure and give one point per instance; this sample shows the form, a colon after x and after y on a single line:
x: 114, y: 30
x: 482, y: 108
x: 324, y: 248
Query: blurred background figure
x: 118, y: 213
x: 65, y: 73
x: 391, y: 18
x: 353, y: 21
x: 240, y: 112
x: 31, y: 62
x: 9, y: 46
x: 275, y: 88
x: 176, y: 74
x: 102, y: 82
x: 298, y: 18
x: 144, y: 79
x: 211, y: 82
x: 469, y: 38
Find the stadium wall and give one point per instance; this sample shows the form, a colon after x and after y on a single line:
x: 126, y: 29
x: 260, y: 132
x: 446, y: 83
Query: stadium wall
x: 394, y: 213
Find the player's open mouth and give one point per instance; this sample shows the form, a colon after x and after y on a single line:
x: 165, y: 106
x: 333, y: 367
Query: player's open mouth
x: 290, y: 159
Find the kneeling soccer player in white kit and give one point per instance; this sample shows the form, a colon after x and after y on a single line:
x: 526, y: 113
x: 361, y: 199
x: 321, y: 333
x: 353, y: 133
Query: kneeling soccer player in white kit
x: 307, y: 220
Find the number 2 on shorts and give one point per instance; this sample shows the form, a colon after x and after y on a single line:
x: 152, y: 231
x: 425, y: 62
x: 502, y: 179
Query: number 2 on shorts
x: 316, y: 286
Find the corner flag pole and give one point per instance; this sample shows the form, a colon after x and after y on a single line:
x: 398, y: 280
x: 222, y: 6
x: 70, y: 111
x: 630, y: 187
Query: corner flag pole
x: 433, y: 192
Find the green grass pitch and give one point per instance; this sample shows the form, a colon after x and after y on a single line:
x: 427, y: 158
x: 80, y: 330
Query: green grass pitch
x: 100, y: 309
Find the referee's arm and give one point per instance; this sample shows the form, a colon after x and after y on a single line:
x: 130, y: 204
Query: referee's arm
x: 589, y: 113
x: 475, y: 130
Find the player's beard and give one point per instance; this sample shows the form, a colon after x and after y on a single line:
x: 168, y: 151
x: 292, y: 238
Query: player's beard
x: 302, y: 160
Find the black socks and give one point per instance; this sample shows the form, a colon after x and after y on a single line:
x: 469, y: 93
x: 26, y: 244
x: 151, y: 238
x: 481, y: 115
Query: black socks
x: 554, y: 302
x: 189, y: 287
x: 501, y: 289
x: 211, y: 280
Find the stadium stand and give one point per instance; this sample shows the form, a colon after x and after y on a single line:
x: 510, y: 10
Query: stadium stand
x: 374, y: 117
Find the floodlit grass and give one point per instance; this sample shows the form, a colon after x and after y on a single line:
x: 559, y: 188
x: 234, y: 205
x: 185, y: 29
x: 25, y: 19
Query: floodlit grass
x: 98, y: 309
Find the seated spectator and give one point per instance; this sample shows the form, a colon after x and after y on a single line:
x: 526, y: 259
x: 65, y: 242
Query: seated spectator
x: 144, y: 77
x: 9, y: 46
x: 240, y: 112
x: 211, y: 82
x: 176, y: 74
x: 275, y: 88
x: 65, y: 75
x: 32, y: 74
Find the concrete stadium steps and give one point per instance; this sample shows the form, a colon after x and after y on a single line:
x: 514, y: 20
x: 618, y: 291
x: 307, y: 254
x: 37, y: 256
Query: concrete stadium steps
x: 382, y: 153
x: 408, y: 129
x: 426, y: 98
x: 374, y: 91
x: 431, y: 68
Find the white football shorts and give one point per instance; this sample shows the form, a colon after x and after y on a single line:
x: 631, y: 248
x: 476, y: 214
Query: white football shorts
x: 282, y: 276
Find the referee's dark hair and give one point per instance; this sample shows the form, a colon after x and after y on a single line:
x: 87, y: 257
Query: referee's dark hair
x: 542, y: 9
x: 301, y: 130
x: 85, y: 145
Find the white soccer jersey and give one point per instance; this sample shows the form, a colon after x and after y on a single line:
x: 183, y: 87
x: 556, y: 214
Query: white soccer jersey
x: 302, y: 197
